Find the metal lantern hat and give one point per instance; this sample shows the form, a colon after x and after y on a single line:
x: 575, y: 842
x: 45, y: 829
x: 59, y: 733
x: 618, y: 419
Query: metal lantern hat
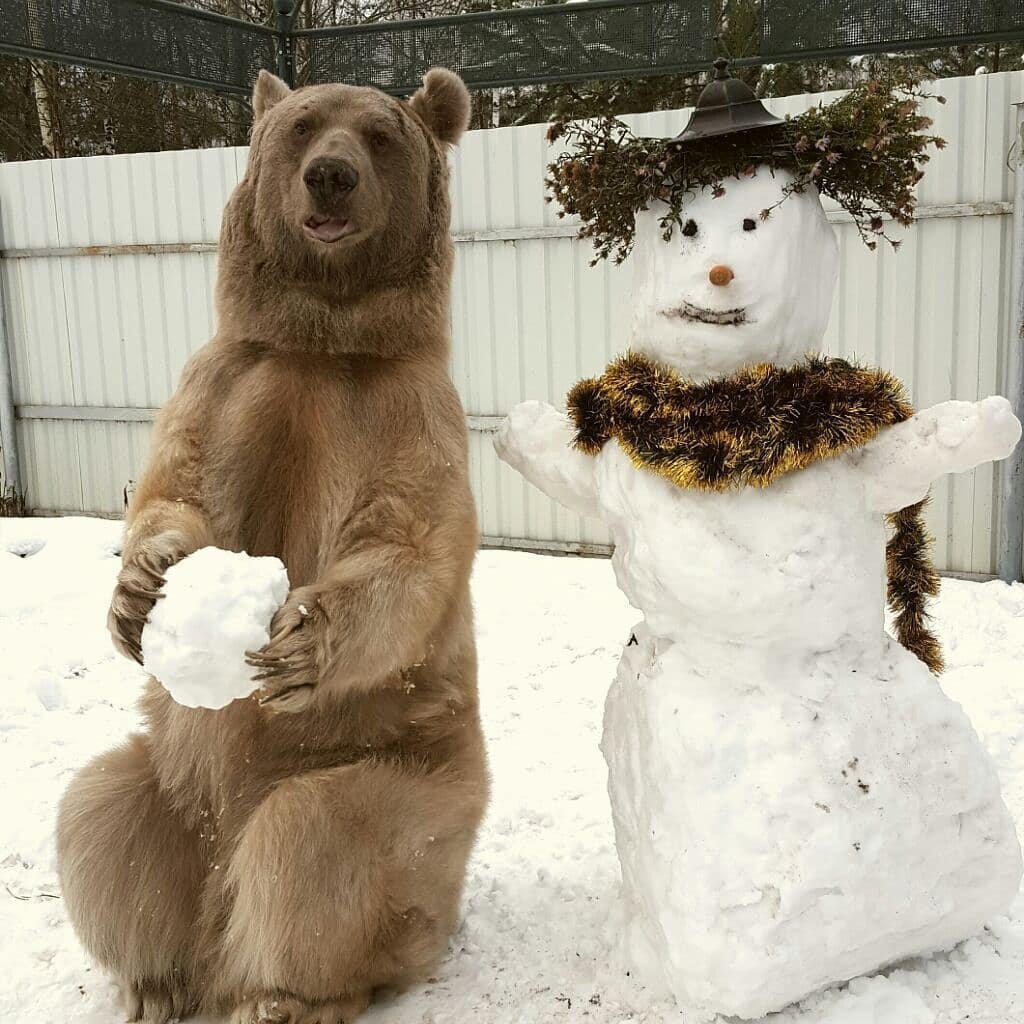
x: 725, y: 106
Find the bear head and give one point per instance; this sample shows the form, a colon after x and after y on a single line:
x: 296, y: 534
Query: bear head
x: 345, y: 198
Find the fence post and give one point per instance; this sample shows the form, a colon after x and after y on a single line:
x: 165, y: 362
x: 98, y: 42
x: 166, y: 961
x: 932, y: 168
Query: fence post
x: 10, y: 477
x: 1010, y: 552
x: 285, y: 41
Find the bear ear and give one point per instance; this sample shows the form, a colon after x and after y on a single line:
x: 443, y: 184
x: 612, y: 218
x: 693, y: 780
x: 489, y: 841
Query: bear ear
x: 269, y: 89
x: 443, y: 103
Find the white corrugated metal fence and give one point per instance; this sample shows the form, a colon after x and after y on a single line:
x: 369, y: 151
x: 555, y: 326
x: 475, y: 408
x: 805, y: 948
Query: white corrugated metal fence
x: 106, y: 284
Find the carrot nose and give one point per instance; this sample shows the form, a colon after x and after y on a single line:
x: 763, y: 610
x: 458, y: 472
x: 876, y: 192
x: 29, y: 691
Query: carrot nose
x: 720, y: 274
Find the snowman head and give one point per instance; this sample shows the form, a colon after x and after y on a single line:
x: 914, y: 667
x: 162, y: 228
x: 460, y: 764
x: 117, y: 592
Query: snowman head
x: 729, y: 289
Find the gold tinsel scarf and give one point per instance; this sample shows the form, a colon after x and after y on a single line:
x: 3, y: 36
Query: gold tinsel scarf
x: 750, y: 428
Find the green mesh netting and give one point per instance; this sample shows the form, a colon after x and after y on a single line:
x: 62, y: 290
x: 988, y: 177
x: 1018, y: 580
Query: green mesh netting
x: 600, y: 39
x: 154, y: 39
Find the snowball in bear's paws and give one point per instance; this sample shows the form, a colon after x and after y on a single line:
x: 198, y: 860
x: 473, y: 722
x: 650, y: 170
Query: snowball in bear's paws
x: 216, y: 606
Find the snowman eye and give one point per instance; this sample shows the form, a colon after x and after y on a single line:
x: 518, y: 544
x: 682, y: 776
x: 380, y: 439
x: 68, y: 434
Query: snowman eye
x: 690, y: 228
x: 749, y: 224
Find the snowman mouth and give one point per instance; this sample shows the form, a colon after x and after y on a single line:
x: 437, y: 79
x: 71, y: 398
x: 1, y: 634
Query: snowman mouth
x: 688, y: 311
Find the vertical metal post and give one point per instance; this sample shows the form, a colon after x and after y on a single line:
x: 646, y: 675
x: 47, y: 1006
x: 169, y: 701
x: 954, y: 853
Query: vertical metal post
x: 1010, y: 553
x: 10, y: 477
x: 285, y: 41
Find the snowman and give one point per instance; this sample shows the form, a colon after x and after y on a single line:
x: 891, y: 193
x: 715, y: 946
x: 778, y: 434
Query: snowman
x: 795, y: 800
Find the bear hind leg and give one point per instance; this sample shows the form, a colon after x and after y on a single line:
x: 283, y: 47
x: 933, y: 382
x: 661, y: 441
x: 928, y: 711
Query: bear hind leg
x: 131, y: 873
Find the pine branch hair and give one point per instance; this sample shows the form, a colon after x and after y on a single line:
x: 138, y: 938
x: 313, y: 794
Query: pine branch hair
x: 866, y: 150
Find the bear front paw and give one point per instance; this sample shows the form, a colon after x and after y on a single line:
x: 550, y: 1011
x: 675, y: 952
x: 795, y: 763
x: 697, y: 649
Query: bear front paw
x: 138, y: 589
x: 288, y: 666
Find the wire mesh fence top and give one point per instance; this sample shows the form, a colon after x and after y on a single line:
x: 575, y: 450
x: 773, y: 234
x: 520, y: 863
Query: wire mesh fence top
x: 522, y: 45
x: 560, y: 42
x: 855, y: 26
x: 152, y: 38
x: 616, y: 38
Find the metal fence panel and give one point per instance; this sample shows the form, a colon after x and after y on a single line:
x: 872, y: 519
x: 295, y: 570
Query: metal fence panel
x: 529, y: 315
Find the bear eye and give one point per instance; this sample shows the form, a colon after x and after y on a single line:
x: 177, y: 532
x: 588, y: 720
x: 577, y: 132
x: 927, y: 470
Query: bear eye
x: 301, y: 127
x: 749, y: 224
x: 380, y: 139
x: 690, y: 228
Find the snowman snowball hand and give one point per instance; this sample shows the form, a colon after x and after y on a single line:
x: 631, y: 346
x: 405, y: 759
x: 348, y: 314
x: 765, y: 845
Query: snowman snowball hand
x: 537, y: 440
x: 903, y: 461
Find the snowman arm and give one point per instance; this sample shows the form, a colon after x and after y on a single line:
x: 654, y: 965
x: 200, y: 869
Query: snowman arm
x: 903, y: 461
x: 537, y: 440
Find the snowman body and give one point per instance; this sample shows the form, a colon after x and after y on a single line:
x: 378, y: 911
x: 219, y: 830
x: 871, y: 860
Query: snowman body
x: 795, y: 800
x: 789, y: 570
x: 773, y: 843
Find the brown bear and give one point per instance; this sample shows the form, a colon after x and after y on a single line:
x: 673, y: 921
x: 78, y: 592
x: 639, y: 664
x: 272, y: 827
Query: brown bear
x: 282, y: 858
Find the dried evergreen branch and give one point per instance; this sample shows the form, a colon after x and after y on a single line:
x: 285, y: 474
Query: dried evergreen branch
x: 865, y: 150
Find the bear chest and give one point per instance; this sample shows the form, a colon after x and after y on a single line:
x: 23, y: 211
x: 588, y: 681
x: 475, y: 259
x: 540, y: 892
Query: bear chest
x: 287, y: 457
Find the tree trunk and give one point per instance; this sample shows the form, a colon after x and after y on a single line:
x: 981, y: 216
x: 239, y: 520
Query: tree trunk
x: 46, y: 109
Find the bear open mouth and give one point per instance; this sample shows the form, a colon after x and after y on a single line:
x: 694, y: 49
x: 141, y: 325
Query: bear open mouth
x: 688, y: 311
x: 328, y: 229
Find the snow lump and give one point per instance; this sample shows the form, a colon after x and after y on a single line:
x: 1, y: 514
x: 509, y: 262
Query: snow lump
x: 217, y: 605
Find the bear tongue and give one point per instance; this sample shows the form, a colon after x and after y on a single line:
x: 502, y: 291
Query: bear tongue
x: 327, y: 229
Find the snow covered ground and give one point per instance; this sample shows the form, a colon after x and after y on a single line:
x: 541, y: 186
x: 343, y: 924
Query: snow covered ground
x: 535, y: 942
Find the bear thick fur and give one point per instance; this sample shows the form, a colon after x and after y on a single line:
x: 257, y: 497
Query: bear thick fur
x: 282, y: 858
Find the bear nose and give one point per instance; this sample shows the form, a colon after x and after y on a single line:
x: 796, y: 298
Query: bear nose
x: 720, y: 274
x: 329, y: 179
